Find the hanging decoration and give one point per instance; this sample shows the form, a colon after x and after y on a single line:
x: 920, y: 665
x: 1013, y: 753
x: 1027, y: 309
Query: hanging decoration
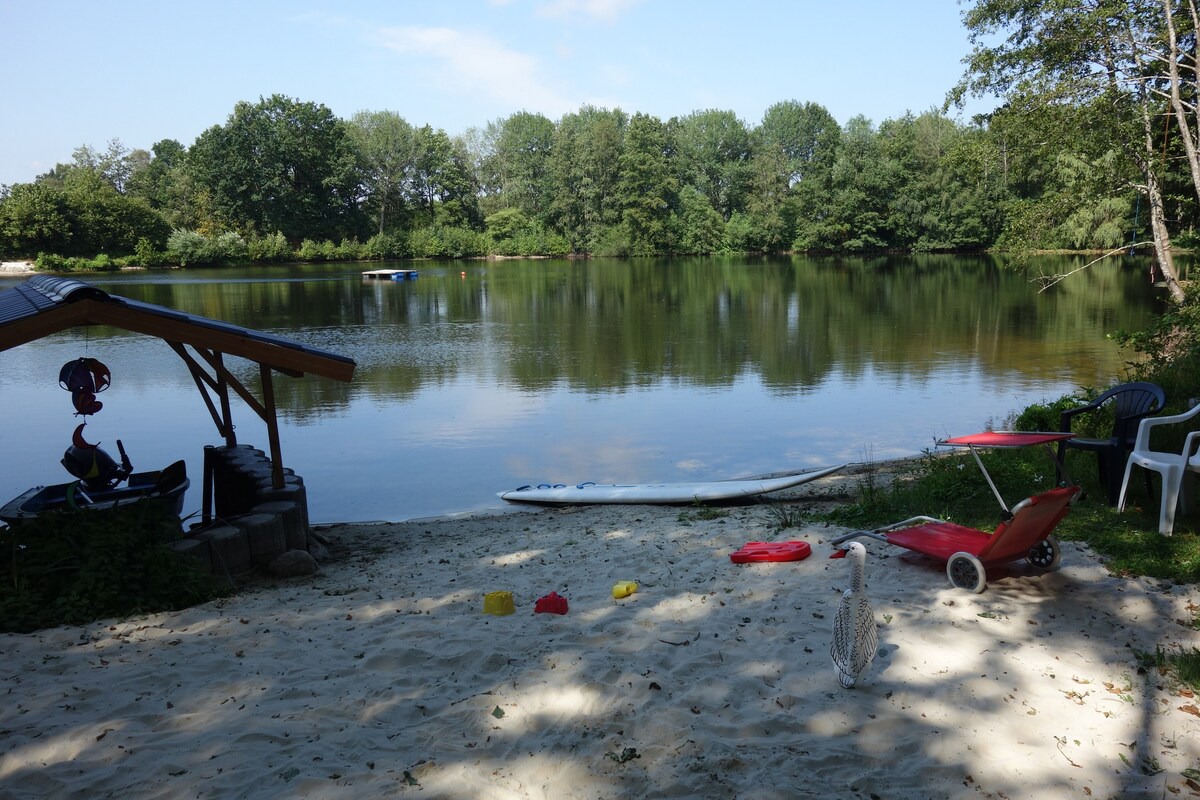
x: 84, y: 378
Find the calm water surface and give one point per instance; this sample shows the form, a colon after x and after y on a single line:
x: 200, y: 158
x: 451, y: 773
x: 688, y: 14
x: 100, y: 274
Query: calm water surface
x: 482, y: 376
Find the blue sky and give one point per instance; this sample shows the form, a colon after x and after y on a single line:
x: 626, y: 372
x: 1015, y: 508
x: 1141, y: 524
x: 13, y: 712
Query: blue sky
x: 143, y: 70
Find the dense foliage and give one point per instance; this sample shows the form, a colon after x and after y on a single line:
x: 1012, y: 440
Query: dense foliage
x: 68, y: 568
x: 285, y: 179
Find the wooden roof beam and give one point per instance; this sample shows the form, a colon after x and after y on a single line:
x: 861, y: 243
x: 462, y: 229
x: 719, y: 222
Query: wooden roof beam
x: 288, y: 360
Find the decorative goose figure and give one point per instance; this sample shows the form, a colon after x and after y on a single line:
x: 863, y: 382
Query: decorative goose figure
x: 855, y: 638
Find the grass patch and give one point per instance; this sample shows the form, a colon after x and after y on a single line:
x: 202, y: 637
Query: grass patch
x: 783, y: 515
x: 70, y: 568
x: 1180, y: 665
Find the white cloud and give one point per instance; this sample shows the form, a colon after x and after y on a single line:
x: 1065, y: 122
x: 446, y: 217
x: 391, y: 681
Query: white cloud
x: 476, y: 64
x: 602, y: 10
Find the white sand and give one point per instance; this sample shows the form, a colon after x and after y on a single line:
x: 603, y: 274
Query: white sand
x: 16, y: 267
x: 381, y: 677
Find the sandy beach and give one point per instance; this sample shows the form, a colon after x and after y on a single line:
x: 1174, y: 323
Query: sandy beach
x: 382, y: 677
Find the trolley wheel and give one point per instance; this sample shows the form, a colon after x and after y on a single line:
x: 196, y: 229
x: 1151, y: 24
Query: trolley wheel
x: 965, y: 571
x: 1045, y: 554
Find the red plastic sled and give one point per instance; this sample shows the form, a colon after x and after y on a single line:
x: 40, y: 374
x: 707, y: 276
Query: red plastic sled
x: 771, y: 551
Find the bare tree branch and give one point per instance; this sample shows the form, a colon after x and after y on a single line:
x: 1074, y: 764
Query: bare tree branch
x: 1046, y: 281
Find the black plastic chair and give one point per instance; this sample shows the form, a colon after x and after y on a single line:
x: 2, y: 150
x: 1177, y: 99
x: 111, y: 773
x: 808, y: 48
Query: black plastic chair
x: 1130, y: 403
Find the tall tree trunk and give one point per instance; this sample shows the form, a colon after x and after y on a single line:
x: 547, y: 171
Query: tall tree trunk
x: 1162, y: 239
x: 1184, y: 113
x: 1146, y: 160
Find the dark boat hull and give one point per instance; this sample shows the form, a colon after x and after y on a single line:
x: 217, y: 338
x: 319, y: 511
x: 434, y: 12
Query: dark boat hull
x: 140, y: 486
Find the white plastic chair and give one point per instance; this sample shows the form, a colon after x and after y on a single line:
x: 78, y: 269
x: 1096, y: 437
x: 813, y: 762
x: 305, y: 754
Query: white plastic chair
x: 1172, y: 466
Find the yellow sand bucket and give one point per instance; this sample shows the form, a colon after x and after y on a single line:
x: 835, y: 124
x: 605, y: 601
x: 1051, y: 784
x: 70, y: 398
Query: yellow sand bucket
x: 624, y: 588
x: 498, y: 603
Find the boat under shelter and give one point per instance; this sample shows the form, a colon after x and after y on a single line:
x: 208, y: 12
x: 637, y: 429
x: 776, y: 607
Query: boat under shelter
x: 44, y: 305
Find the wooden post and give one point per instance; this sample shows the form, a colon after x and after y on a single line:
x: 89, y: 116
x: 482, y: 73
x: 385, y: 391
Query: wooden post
x: 226, y: 412
x: 272, y: 420
x: 206, y: 502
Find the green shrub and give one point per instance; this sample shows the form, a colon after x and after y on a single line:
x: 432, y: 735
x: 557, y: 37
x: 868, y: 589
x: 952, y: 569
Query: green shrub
x: 447, y: 242
x: 537, y: 241
x: 506, y: 224
x: 72, y: 567
x: 50, y: 262
x: 186, y: 247
x: 504, y: 247
x: 317, y: 251
x: 227, y: 247
x: 613, y: 241
x: 189, y: 248
x: 346, y: 250
x: 309, y: 251
x: 1169, y: 351
x: 349, y: 250
x: 269, y: 248
x: 386, y: 247
x: 144, y: 255
x: 1047, y: 416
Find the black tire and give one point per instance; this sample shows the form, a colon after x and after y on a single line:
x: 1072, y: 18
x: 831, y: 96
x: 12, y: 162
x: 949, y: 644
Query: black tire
x: 966, y: 572
x: 1045, y: 554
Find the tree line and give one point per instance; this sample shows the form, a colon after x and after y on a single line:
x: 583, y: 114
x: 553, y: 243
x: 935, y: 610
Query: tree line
x: 1093, y: 147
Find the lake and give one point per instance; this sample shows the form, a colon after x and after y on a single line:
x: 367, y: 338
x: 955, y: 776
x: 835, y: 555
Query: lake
x: 482, y: 376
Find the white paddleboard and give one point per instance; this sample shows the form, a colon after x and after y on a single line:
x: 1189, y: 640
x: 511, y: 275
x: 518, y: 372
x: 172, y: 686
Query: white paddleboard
x: 665, y: 493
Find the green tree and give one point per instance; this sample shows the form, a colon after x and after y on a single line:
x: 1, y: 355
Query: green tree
x: 797, y: 144
x: 584, y: 170
x: 698, y: 227
x: 482, y: 147
x: 864, y: 182
x: 964, y: 209
x: 808, y: 136
x: 506, y: 224
x: 385, y: 143
x: 1066, y: 184
x: 945, y: 197
x: 36, y: 217
x: 166, y: 186
x: 442, y: 186
x: 116, y: 165
x: 79, y: 215
x: 281, y: 165
x: 522, y: 163
x: 646, y: 190
x: 714, y: 156
x: 768, y: 221
x: 1102, y: 57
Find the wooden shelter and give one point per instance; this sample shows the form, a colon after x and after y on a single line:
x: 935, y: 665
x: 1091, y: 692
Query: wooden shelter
x: 44, y: 305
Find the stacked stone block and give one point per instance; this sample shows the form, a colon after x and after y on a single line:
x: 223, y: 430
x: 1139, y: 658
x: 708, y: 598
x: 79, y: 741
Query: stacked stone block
x: 255, y: 522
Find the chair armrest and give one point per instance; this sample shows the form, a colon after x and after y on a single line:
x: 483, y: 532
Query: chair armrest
x: 1184, y: 417
x: 1142, y: 442
x: 1190, y: 444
